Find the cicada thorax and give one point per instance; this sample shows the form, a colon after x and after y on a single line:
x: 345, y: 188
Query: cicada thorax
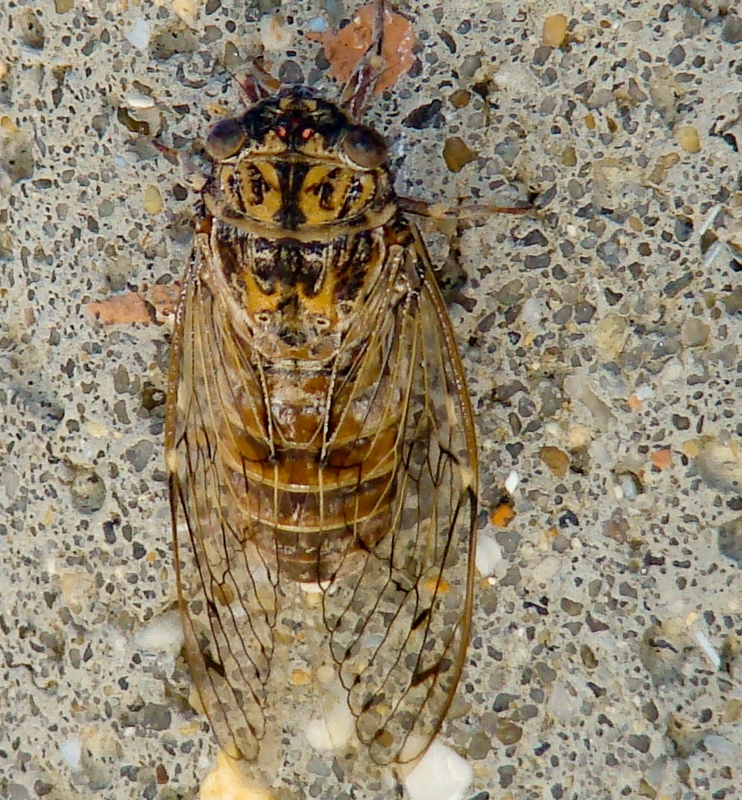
x: 313, y: 452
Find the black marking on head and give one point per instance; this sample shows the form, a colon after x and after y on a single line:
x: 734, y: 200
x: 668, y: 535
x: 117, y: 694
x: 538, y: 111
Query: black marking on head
x: 303, y: 116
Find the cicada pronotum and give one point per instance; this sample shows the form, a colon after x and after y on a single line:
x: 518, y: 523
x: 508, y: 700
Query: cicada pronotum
x: 320, y: 441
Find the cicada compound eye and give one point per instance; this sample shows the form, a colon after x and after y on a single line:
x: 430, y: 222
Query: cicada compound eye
x: 225, y: 139
x: 365, y: 147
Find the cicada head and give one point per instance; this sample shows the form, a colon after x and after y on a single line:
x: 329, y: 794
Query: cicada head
x: 298, y: 163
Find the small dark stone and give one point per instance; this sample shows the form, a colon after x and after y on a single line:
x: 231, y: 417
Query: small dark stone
x: 562, y: 315
x: 427, y: 116
x: 515, y: 449
x: 676, y: 56
x: 540, y: 261
x: 676, y: 286
x: 584, y: 312
x: 486, y: 323
x: 507, y: 775
x: 448, y: 40
x: 732, y: 300
x: 42, y: 789
x: 732, y: 30
x: 512, y: 577
x: 533, y: 238
x: 291, y: 73
x: 569, y: 519
x: 508, y: 540
x: 140, y: 454
x: 506, y: 391
x: 650, y: 711
x: 152, y: 396
x: 683, y: 229
x: 595, y: 625
x: 730, y: 540
x: 157, y: 717
x: 88, y: 491
x: 31, y: 31
x: 640, y: 743
x: 571, y: 607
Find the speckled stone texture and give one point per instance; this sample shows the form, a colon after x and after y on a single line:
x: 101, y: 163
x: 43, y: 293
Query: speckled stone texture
x: 600, y: 334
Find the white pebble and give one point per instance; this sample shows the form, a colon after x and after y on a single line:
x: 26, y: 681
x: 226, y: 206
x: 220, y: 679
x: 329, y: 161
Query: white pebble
x: 273, y: 34
x: 226, y: 782
x: 139, y: 34
x: 716, y: 249
x: 488, y: 555
x: 512, y: 482
x: 163, y: 635
x: 317, y: 25
x: 187, y: 10
x: 314, y: 588
x: 333, y: 731
x: 719, y: 462
x: 545, y: 570
x: 708, y: 649
x: 71, y: 751
x: 628, y: 486
x: 138, y: 102
x: 721, y: 747
x: 710, y: 220
x: 562, y: 702
x: 576, y: 387
x: 531, y: 313
x: 644, y: 392
x: 441, y: 774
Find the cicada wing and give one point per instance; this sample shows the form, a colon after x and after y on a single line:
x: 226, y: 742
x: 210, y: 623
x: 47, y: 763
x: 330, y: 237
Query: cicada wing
x: 227, y: 588
x: 399, y: 626
x: 396, y: 614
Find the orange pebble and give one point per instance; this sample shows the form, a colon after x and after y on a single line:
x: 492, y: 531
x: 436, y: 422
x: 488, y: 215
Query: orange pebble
x: 503, y: 515
x: 662, y: 458
x: 124, y: 308
x: 345, y: 48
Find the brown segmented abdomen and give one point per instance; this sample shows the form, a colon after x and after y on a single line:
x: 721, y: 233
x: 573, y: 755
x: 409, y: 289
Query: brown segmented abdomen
x: 326, y: 487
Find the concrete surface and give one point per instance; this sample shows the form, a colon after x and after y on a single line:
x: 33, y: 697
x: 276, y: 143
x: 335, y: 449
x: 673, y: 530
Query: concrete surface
x: 601, y: 336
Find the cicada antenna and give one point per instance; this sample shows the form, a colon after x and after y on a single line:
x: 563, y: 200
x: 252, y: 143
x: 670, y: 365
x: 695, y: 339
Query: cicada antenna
x: 369, y: 69
x: 257, y: 84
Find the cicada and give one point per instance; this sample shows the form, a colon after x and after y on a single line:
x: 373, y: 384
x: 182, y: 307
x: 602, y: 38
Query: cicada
x: 320, y: 442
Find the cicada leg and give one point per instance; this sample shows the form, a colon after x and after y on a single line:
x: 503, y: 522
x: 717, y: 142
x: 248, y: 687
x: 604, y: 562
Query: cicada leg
x: 461, y: 213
